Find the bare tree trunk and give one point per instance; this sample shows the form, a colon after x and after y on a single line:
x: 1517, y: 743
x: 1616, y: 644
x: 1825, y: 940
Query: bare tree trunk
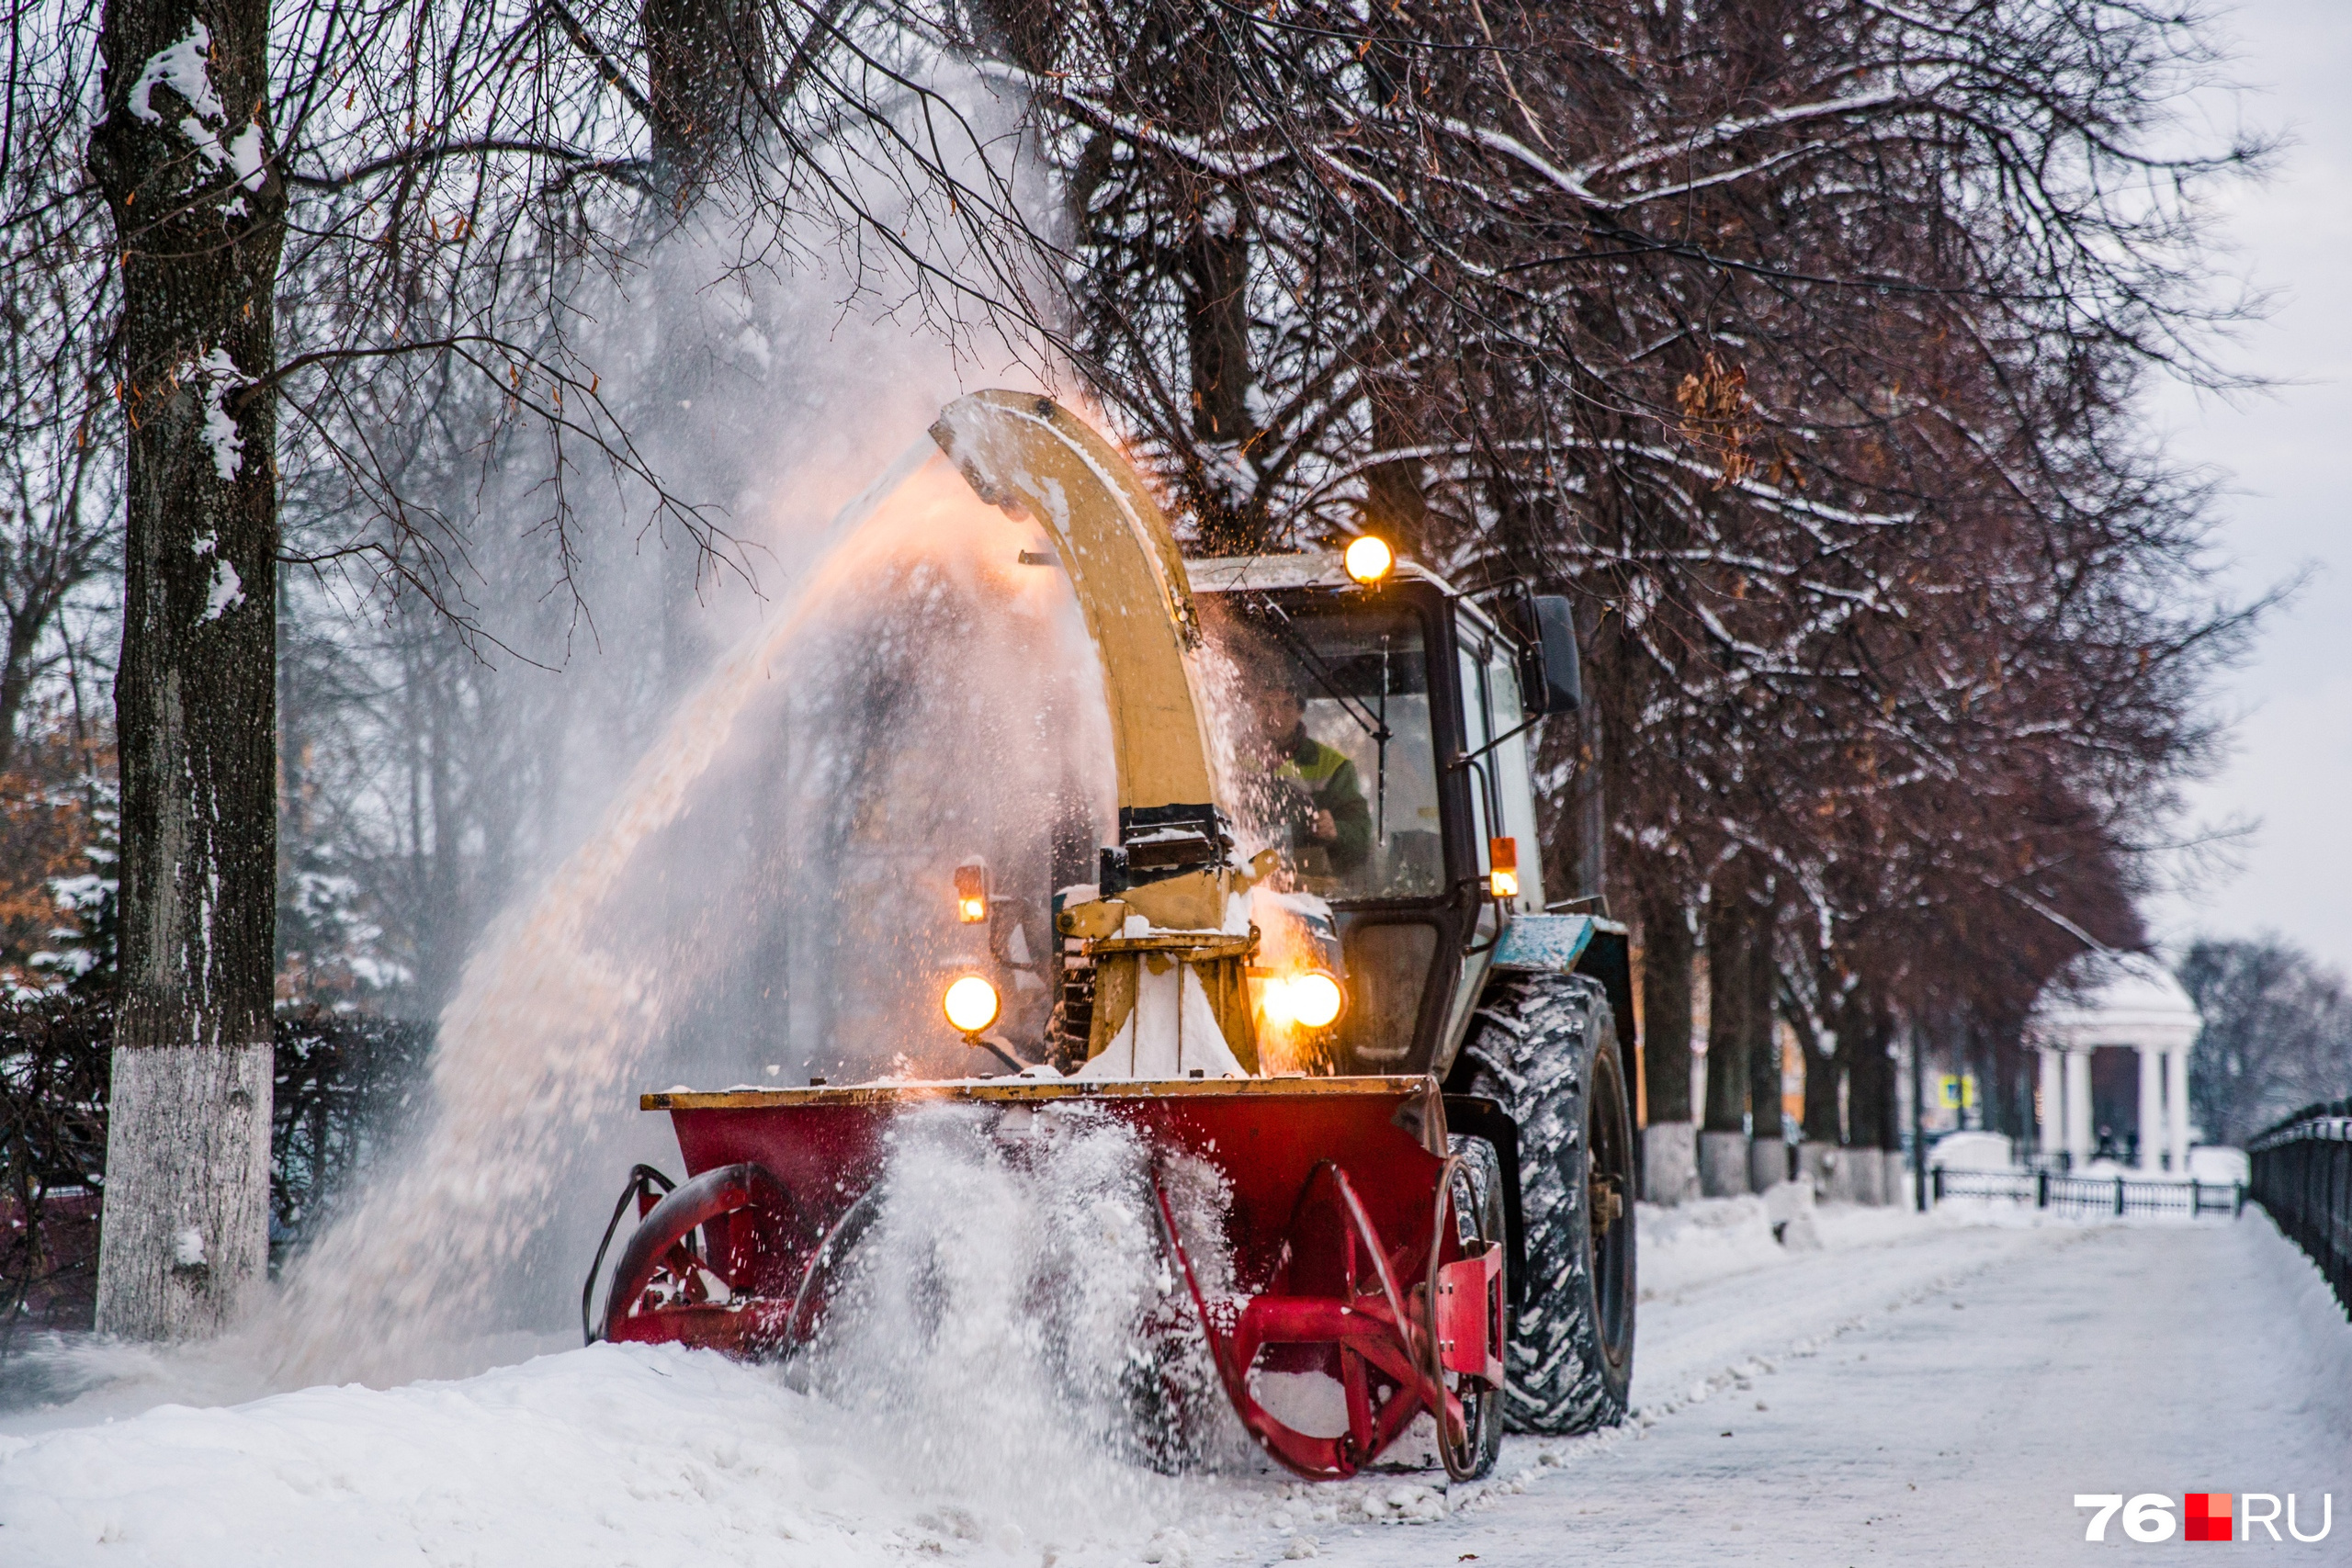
x: 1668, y: 955
x: 1722, y: 1143
x: 1396, y: 500
x: 1818, y: 1157
x: 1669, y: 1142
x: 1769, y: 1150
x: 1217, y: 325
x: 25, y: 626
x: 1873, y: 1111
x: 705, y: 61
x: 199, y: 220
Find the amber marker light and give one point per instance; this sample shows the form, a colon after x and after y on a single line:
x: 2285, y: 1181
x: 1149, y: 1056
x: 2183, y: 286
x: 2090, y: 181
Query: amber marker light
x: 972, y: 891
x: 971, y: 1004
x: 1315, y: 998
x: 1502, y: 867
x: 1369, y: 559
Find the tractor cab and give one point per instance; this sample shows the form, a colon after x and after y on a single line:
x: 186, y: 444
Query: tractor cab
x: 1424, y: 844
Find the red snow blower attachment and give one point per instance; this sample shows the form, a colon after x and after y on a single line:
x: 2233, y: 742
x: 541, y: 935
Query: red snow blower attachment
x: 1358, y: 1251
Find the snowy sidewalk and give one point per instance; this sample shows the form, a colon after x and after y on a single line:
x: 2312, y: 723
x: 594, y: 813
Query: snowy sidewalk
x: 1929, y: 1390
x: 1958, y: 1426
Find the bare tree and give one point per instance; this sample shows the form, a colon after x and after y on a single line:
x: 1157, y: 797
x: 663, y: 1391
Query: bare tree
x: 315, y: 209
x: 2277, y: 1035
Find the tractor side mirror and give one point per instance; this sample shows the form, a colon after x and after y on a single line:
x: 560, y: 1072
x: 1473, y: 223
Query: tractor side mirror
x: 1550, y: 680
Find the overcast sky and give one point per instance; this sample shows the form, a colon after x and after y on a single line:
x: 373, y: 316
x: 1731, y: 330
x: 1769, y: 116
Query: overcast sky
x: 2286, y: 456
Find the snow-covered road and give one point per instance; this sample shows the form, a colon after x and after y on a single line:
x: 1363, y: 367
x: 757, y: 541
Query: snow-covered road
x: 1956, y: 1421
x: 1929, y: 1392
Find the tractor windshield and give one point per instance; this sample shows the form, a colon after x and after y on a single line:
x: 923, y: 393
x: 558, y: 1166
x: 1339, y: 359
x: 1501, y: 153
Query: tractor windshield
x: 1350, y: 786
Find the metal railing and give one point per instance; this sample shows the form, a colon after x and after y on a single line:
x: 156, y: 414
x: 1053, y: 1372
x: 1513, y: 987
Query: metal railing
x: 2093, y: 1194
x: 2302, y: 1175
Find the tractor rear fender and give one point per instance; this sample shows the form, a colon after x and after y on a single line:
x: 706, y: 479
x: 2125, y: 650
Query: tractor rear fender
x: 1563, y: 944
x: 1573, y: 944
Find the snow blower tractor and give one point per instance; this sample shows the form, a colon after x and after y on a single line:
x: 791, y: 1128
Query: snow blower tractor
x: 1409, y: 1081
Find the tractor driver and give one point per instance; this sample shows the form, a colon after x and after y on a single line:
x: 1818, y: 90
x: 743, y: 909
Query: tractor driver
x: 1312, y: 793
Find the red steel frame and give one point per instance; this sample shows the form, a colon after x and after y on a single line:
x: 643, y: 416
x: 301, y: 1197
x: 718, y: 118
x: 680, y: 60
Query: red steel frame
x: 1345, y: 1257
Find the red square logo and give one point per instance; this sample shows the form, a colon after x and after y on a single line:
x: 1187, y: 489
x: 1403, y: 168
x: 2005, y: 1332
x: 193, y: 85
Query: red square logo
x: 2208, y: 1516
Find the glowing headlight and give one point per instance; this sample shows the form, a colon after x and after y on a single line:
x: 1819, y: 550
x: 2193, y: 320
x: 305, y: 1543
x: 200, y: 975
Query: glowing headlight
x: 1315, y: 998
x: 1369, y: 559
x: 971, y: 1004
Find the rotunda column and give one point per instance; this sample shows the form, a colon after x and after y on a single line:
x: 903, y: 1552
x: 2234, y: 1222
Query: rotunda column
x: 2051, y: 1124
x: 2178, y: 1120
x: 2152, y: 1107
x: 2078, y: 1108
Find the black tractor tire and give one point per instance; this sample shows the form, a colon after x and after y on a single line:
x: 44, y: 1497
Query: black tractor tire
x: 1546, y: 1048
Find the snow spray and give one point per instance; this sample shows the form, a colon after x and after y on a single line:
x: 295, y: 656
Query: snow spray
x: 1012, y: 1321
x: 568, y: 1001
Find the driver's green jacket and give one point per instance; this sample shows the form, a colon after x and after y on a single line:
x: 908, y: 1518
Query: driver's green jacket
x: 1329, y: 780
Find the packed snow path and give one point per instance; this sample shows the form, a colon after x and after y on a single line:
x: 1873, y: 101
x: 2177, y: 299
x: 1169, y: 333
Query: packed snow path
x: 1958, y: 1426
x: 1920, y: 1391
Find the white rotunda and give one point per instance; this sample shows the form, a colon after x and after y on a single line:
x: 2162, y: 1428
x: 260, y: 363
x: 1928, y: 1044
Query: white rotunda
x: 2100, y: 1005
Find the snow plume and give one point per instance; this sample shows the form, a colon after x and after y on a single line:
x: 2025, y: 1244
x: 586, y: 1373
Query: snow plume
x: 738, y: 791
x: 772, y: 883
x: 1012, y: 1313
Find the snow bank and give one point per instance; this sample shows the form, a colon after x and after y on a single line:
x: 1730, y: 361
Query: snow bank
x: 643, y: 1455
x: 1713, y: 1239
x: 976, y: 1437
x: 2312, y: 1315
x: 608, y: 1455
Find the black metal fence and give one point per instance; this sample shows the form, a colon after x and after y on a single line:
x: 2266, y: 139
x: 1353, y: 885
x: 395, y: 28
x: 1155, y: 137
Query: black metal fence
x: 2302, y: 1175
x: 2093, y: 1194
x: 343, y: 1086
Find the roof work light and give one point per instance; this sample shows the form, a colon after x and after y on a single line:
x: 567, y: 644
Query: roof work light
x: 1369, y: 559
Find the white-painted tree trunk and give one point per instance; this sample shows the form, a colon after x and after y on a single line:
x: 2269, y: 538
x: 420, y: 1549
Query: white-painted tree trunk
x: 1824, y: 1166
x: 1723, y: 1164
x: 1670, y: 1162
x: 1865, y: 1176
x: 186, y: 1244
x: 183, y: 1237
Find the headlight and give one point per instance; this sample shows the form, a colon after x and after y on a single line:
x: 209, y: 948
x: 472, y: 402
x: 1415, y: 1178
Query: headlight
x: 1315, y: 998
x: 971, y: 1004
x: 1311, y: 999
